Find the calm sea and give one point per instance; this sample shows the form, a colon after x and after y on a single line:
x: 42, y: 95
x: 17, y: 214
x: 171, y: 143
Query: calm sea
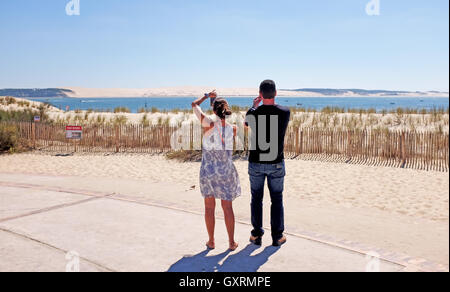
x: 170, y: 103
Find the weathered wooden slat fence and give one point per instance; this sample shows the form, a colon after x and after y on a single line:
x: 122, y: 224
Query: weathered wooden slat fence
x: 417, y: 150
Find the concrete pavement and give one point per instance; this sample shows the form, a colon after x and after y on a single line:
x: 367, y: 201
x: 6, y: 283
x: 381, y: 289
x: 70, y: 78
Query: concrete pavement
x: 41, y: 221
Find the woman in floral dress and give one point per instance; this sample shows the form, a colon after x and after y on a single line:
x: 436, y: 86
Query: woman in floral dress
x: 218, y: 175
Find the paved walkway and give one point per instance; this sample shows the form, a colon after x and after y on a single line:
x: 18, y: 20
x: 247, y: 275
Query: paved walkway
x: 44, y: 222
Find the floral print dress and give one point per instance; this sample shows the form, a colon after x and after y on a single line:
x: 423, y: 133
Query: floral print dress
x: 218, y: 175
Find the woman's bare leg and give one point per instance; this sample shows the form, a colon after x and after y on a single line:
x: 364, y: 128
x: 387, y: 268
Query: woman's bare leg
x: 229, y: 222
x: 210, y: 219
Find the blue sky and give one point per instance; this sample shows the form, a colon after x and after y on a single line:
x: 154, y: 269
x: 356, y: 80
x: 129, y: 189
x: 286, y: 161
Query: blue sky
x: 225, y: 43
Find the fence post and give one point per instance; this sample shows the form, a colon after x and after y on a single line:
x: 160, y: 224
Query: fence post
x: 403, y: 140
x: 191, y: 137
x: 117, y: 138
x: 161, y: 137
x: 301, y: 142
x: 349, y: 146
x: 33, y: 134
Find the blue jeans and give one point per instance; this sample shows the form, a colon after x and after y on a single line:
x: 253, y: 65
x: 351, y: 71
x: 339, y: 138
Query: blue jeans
x: 275, y: 174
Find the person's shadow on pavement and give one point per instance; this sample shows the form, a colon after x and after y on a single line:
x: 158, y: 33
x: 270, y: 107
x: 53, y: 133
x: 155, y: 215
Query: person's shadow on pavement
x: 242, y: 261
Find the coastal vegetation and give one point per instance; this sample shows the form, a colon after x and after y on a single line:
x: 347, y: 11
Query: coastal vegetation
x: 337, y: 118
x: 10, y: 140
x: 416, y: 138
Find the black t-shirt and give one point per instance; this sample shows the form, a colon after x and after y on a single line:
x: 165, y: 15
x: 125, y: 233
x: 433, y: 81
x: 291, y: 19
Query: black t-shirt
x: 275, y: 119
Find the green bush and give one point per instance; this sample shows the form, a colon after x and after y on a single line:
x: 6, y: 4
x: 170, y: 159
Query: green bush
x: 25, y: 115
x: 8, y: 138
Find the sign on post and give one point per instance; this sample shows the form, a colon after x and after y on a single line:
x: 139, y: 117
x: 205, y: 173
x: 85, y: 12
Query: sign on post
x: 37, y: 119
x: 74, y: 132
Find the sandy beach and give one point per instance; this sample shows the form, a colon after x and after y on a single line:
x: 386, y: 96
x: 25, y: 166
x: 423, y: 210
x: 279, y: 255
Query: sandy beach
x: 403, y: 211
x: 400, y: 210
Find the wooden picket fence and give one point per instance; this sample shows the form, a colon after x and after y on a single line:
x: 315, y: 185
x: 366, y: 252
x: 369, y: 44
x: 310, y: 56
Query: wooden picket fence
x: 417, y: 150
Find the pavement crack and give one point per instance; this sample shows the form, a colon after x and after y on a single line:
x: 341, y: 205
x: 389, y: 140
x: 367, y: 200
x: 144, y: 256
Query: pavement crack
x: 48, y: 209
x: 26, y: 237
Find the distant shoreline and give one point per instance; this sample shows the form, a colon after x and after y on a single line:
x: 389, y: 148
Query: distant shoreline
x: 196, y: 91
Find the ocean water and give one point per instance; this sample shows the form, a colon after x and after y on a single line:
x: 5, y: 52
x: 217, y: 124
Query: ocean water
x: 170, y: 103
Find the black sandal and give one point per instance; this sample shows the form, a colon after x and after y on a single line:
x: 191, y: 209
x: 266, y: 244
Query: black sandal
x: 256, y: 240
x: 209, y: 247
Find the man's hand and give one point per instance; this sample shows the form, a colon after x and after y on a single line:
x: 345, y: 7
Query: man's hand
x: 257, y: 101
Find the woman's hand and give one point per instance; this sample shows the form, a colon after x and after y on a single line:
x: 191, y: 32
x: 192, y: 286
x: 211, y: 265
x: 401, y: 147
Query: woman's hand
x: 213, y: 94
x: 199, y: 101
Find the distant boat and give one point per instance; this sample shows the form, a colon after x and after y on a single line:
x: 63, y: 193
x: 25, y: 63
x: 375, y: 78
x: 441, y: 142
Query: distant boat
x: 392, y: 102
x: 299, y: 103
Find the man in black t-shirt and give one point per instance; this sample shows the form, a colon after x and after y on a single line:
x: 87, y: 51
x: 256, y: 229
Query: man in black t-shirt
x: 268, y: 124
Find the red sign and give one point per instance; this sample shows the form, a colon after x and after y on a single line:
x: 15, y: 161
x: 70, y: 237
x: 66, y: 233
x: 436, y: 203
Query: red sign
x: 74, y: 128
x: 74, y: 132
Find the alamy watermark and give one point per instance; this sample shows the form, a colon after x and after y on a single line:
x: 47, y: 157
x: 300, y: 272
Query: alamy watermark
x: 189, y: 137
x: 73, y: 264
x: 73, y: 7
x: 373, y: 8
x: 373, y: 262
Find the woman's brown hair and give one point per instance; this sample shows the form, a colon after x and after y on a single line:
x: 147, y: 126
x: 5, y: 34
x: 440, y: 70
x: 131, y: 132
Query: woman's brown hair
x: 221, y: 108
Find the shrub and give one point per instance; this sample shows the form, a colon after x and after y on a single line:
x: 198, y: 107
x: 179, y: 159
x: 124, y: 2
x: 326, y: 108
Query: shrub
x: 9, y: 142
x: 8, y: 138
x: 25, y: 115
x: 122, y: 109
x: 144, y: 121
x: 142, y: 110
x: 236, y: 109
x: 10, y: 100
x: 185, y: 156
x: 120, y: 120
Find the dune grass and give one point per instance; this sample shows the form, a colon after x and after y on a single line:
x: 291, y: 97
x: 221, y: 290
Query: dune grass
x: 9, y: 140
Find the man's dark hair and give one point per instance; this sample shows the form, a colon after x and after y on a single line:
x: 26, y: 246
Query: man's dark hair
x: 268, y: 89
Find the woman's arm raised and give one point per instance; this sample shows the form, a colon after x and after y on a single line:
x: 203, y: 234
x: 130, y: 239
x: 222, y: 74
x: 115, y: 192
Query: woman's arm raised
x: 205, y: 121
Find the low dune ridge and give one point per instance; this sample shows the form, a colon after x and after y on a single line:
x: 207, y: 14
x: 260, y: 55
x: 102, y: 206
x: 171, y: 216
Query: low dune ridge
x: 20, y: 104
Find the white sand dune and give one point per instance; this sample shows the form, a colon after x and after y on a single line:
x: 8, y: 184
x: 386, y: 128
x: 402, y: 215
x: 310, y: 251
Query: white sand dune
x: 79, y: 92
